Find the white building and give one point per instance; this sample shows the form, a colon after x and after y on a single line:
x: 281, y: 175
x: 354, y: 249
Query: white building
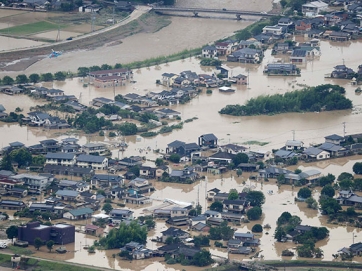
x: 60, y: 159
x: 314, y: 8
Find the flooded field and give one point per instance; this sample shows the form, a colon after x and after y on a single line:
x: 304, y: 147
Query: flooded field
x: 8, y: 43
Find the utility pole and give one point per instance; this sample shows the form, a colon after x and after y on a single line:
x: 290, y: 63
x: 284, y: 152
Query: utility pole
x: 248, y: 78
x: 293, y: 134
x: 344, y: 129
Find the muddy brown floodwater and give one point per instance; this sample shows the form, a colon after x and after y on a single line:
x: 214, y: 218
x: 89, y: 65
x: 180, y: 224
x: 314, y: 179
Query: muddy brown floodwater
x: 274, y: 130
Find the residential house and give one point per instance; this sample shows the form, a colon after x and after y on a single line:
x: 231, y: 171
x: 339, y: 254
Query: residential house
x: 188, y: 149
x: 167, y: 113
x: 201, y: 227
x: 341, y: 71
x: 72, y: 171
x: 244, y: 236
x: 178, y: 216
x: 2, y: 112
x: 76, y: 106
x: 74, y: 185
x: 239, y: 79
x: 106, y: 180
x: 92, y: 161
x: 208, y: 140
x: 298, y: 56
x: 168, y: 78
x: 100, y: 101
x: 285, y: 155
x: 347, y: 197
x: 310, y: 175
x: 356, y: 249
x: 281, y: 69
x: 185, y: 175
x: 303, y: 25
x: 174, y: 146
x: 286, y: 22
x: 339, y: 36
x: 333, y: 149
x: 276, y: 30
x: 133, y: 197
x: 38, y: 118
x: 67, y: 195
x: 226, y: 47
x: 233, y: 148
x: 94, y: 148
x: 121, y: 214
x: 35, y: 183
x: 147, y: 172
x: 273, y: 172
x: 54, y: 93
x: 248, y: 167
x: 78, y: 214
x: 174, y: 233
x: 211, y: 193
x: 221, y: 158
x: 12, y: 205
x: 59, y: 233
x: 93, y: 230
x: 17, y: 192
x: 141, y: 185
x: 110, y: 77
x: 246, y: 55
x: 314, y: 8
x: 209, y: 51
x: 334, y: 139
x: 292, y: 145
x: 235, y: 206
x: 316, y: 153
x: 60, y: 158
x: 54, y: 208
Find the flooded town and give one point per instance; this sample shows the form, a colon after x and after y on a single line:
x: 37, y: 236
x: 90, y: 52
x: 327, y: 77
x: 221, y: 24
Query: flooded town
x: 201, y: 135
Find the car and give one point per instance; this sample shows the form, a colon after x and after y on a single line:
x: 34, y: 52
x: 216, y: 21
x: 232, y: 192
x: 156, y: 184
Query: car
x: 3, y: 245
x: 224, y: 9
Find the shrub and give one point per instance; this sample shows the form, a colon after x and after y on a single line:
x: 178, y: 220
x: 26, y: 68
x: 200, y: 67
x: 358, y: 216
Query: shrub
x: 257, y: 228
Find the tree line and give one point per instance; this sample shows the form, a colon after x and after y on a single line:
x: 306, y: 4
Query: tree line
x: 311, y: 99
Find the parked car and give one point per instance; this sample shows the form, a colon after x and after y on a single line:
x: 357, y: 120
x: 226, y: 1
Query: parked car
x: 3, y: 245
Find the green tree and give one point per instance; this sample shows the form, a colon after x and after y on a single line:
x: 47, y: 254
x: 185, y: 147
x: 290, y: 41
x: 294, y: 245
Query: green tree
x: 50, y: 245
x: 201, y: 241
x: 38, y: 160
x: 126, y: 233
x: 329, y: 205
x: 357, y: 168
x: 257, y: 228
x: 21, y: 156
x: 83, y: 71
x: 284, y: 218
x: 254, y: 213
x: 38, y: 243
x: 280, y: 234
x: 256, y: 198
x: 59, y: 76
x: 135, y: 170
x: 21, y: 79
x: 240, y: 158
x: 107, y: 208
x: 325, y: 180
x: 159, y: 162
x: 216, y: 206
x: 304, y: 193
x: 328, y: 191
x: 46, y: 77
x: 7, y: 80
x: 12, y: 232
x: 345, y: 176
x: 128, y: 129
x: 34, y: 78
x: 5, y: 163
x: 233, y: 194
x: 175, y: 158
x: 239, y: 172
x: 202, y: 258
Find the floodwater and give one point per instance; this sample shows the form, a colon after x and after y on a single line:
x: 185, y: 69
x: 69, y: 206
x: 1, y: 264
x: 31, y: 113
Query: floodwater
x: 7, y: 43
x: 274, y: 130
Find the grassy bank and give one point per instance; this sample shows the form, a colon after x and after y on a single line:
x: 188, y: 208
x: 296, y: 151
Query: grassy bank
x: 305, y: 263
x: 37, y: 264
x: 163, y: 59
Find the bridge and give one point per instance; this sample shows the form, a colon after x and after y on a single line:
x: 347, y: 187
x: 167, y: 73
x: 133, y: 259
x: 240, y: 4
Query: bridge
x: 196, y: 11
